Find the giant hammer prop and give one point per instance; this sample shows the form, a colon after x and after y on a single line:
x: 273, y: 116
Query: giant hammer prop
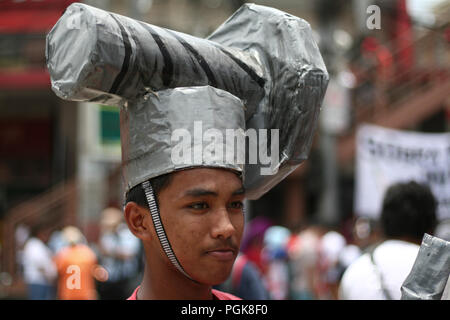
x: 263, y: 56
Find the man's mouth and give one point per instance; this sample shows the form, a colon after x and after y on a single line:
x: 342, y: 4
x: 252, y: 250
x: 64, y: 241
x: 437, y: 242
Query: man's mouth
x: 222, y: 254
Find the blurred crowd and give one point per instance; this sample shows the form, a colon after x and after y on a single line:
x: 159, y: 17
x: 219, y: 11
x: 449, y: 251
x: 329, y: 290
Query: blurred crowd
x: 320, y: 263
x: 370, y: 260
x: 61, y: 264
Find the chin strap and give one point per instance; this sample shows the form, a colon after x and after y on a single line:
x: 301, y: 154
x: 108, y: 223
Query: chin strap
x: 159, y: 228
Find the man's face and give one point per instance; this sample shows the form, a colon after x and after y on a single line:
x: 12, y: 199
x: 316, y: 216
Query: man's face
x: 202, y: 213
x: 44, y: 235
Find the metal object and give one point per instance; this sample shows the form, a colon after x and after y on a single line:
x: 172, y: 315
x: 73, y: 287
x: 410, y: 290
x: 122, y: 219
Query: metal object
x: 430, y: 273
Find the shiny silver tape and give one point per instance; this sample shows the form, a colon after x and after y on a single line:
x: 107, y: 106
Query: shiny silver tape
x: 296, y: 82
x: 265, y: 57
x: 430, y: 273
x: 99, y: 56
x: 166, y: 131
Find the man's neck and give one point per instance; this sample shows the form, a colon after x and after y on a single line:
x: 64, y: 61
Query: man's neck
x: 169, y: 284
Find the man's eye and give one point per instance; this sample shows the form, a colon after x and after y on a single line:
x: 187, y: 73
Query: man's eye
x: 199, y: 206
x: 237, y: 205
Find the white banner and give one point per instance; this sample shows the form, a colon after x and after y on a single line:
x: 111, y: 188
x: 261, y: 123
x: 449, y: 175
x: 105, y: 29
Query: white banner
x: 335, y: 114
x: 385, y: 156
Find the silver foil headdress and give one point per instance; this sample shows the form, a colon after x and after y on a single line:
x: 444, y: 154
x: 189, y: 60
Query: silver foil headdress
x: 265, y: 57
x: 192, y: 112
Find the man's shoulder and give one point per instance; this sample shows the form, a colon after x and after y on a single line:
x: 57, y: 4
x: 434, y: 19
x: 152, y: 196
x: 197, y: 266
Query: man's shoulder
x: 359, y: 281
x: 396, y: 247
x: 34, y: 246
x: 357, y: 271
x: 85, y: 250
x: 32, y: 242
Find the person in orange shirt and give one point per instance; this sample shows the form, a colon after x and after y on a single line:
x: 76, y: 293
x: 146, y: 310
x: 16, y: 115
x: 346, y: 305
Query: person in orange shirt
x: 77, y: 268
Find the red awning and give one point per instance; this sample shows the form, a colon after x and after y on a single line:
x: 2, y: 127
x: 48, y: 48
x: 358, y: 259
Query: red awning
x: 26, y: 79
x: 30, y: 16
x: 28, y: 21
x: 34, y: 4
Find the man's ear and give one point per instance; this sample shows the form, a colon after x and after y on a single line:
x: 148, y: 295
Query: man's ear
x: 137, y: 219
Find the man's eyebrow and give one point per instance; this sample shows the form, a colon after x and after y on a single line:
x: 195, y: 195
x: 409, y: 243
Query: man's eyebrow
x: 199, y: 192
x: 239, y: 191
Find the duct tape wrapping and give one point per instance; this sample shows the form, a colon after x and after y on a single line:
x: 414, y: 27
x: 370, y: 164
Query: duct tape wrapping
x: 296, y: 82
x: 95, y: 55
x: 430, y: 272
x: 157, y: 138
x: 265, y: 57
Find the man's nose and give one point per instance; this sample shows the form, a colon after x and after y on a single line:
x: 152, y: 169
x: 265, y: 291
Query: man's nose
x: 221, y: 224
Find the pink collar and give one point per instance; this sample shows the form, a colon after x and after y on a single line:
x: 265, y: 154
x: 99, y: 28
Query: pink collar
x: 217, y: 295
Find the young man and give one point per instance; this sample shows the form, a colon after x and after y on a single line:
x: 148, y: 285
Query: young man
x: 408, y: 212
x: 184, y: 106
x: 188, y: 215
x: 202, y: 211
x: 119, y: 254
x: 75, y: 264
x: 39, y: 270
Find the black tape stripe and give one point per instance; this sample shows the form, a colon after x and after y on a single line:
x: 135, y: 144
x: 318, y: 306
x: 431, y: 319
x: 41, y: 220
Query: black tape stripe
x: 194, y: 65
x: 144, y: 75
x: 126, y: 59
x: 167, y: 71
x: 260, y: 81
x: 200, y: 59
x: 137, y: 70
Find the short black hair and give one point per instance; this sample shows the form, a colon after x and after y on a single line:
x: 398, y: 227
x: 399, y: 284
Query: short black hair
x: 137, y: 194
x: 408, y: 210
x: 39, y: 227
